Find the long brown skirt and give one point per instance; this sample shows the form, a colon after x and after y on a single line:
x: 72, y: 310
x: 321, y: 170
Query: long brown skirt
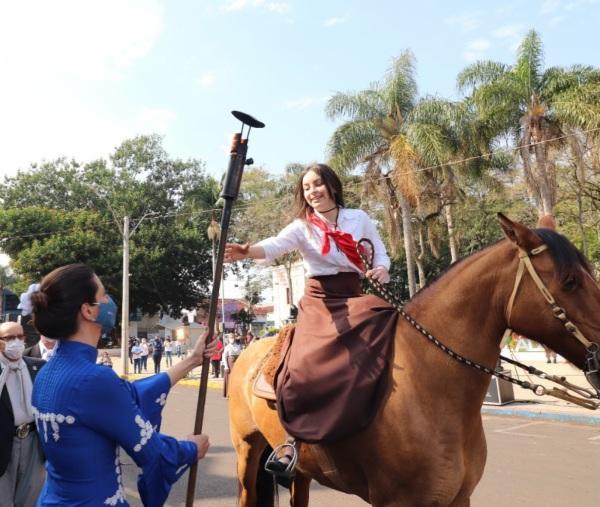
x: 334, y: 367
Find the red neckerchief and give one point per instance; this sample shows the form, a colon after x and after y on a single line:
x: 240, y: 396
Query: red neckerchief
x: 344, y: 240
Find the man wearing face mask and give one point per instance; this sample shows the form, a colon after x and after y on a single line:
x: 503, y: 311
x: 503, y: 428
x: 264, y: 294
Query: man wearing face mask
x: 44, y: 349
x: 22, y: 471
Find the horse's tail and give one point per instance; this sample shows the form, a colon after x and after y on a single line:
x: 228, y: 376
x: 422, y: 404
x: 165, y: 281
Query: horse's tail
x: 267, y: 494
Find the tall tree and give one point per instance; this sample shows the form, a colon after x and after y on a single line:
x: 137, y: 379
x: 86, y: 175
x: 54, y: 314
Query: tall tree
x: 62, y: 212
x: 374, y: 137
x: 532, y: 105
x: 455, y: 145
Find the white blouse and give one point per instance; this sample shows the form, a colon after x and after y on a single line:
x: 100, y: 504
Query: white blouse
x: 307, y: 239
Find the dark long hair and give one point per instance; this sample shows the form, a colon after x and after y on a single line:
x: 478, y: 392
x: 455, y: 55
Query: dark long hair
x: 332, y: 182
x: 58, y: 302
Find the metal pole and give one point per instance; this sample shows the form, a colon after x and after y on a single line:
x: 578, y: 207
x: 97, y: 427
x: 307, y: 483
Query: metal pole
x: 230, y: 191
x: 125, y: 302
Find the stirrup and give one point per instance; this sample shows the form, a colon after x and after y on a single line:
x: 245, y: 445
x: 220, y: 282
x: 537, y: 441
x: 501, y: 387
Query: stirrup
x: 290, y: 470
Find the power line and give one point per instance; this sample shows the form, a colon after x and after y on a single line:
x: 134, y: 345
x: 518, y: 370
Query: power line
x: 358, y: 184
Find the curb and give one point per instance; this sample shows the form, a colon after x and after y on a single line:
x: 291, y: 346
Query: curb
x: 212, y: 384
x: 564, y: 417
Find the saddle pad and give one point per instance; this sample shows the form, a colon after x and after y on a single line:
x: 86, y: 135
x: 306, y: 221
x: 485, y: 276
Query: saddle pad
x: 264, y: 382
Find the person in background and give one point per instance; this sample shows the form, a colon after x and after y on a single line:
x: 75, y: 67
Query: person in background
x: 44, y: 349
x: 249, y: 338
x: 86, y: 414
x: 169, y: 352
x: 157, y: 352
x: 178, y: 349
x: 215, y: 359
x: 232, y: 351
x: 136, y: 354
x: 21, y: 460
x: 145, y: 353
x: 550, y: 355
x: 130, y: 345
x: 105, y: 359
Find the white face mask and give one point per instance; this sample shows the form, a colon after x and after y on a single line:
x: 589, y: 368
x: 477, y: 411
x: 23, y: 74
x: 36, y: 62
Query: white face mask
x: 14, y: 349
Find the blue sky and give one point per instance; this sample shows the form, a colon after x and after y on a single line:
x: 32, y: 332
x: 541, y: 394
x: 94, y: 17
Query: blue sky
x: 79, y: 77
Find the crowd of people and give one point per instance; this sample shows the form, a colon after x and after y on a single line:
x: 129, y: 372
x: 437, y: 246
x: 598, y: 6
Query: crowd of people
x: 228, y: 348
x: 157, y: 348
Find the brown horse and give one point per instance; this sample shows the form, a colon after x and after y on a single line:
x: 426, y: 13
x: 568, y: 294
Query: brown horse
x: 426, y: 444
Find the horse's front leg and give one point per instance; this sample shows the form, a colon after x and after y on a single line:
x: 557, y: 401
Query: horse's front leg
x: 300, y: 491
x: 249, y: 451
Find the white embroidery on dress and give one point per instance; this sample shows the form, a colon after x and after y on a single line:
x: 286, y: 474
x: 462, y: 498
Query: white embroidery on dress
x: 162, y: 399
x: 146, y: 431
x: 119, y: 496
x: 180, y: 469
x: 55, y: 421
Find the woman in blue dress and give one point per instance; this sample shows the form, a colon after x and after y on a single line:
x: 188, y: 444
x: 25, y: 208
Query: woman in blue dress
x: 85, y: 413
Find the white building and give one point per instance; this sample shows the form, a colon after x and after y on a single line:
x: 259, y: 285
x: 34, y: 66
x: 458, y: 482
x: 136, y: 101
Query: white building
x: 283, y: 295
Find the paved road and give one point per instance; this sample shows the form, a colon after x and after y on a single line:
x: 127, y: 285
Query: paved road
x: 530, y: 463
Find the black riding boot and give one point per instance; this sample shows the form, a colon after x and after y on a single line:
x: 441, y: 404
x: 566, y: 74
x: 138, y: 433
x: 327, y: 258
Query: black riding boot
x: 282, y: 461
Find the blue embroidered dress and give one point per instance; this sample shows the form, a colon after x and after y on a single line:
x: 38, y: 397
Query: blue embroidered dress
x: 84, y: 412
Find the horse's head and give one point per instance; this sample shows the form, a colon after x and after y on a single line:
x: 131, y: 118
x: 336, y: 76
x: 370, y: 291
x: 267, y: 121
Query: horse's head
x: 555, y: 298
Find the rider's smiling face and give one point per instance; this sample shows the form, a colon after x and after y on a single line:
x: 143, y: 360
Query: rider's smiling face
x: 316, y: 193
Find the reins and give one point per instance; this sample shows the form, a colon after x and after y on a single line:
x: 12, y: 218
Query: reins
x: 583, y: 397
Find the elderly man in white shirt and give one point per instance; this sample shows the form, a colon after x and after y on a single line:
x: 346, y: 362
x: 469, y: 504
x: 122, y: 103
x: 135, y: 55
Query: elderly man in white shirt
x: 22, y: 471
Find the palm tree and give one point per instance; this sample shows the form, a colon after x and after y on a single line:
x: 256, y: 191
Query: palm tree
x: 374, y: 137
x: 534, y: 106
x: 454, y: 143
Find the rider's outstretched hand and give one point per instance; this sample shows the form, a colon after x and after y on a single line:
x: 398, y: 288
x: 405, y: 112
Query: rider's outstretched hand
x: 236, y: 252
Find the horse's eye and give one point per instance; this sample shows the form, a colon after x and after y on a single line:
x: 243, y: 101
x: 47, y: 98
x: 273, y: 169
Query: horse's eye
x: 570, y: 284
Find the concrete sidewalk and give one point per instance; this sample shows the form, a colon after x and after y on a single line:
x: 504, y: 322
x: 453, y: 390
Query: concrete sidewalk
x: 526, y: 403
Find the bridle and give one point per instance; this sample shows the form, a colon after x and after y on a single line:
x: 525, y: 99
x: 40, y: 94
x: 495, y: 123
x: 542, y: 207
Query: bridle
x: 558, y: 312
x: 583, y: 397
x: 592, y: 358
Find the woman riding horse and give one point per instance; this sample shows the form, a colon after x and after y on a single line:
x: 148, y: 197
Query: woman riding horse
x: 426, y: 444
x: 329, y: 384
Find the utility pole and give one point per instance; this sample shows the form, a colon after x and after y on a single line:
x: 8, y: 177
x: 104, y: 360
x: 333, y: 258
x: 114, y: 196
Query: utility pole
x: 125, y: 299
x: 223, y: 304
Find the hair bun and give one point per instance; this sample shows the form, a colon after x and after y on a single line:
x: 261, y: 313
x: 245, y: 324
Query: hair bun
x: 39, y: 301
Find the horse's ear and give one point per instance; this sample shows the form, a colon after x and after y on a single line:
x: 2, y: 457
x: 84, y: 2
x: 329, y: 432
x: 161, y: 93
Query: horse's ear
x: 519, y: 234
x: 547, y: 222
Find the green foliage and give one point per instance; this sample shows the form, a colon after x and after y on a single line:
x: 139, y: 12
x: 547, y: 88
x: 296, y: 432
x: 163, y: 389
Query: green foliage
x: 62, y: 212
x: 244, y: 318
x: 535, y: 107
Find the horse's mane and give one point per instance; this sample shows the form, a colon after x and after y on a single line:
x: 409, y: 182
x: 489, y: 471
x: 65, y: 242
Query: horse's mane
x: 567, y: 258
